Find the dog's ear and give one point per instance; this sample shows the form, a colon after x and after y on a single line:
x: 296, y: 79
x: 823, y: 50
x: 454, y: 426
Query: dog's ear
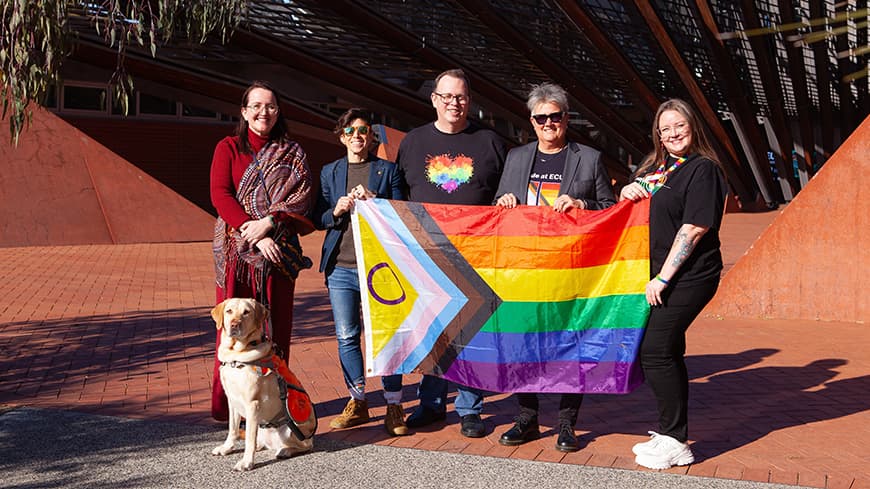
x: 262, y: 313
x: 217, y: 313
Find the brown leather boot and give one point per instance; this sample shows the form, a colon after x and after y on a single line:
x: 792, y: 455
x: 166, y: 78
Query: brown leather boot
x: 394, y: 421
x: 356, y: 412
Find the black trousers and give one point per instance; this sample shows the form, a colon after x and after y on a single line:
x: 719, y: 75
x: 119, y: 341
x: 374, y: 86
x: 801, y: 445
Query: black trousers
x: 569, y: 406
x: 663, y: 350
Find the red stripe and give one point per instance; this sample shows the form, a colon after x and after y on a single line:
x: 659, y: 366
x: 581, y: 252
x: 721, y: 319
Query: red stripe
x: 527, y: 220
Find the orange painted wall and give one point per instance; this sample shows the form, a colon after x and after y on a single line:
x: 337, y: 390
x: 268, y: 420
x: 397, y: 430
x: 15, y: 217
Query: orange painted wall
x: 60, y: 187
x: 814, y: 259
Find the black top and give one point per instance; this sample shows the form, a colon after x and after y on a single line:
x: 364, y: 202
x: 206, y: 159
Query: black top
x: 462, y: 168
x: 693, y: 194
x: 546, y: 178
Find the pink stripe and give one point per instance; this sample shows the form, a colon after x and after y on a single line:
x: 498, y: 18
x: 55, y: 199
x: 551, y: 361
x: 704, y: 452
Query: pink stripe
x: 421, y: 315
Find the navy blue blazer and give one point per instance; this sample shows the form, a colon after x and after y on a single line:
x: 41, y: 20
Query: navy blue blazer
x: 384, y: 181
x: 584, y: 176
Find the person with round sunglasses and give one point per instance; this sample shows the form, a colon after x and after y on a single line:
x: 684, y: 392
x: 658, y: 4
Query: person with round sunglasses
x: 687, y: 188
x: 359, y: 175
x: 260, y: 185
x: 562, y: 175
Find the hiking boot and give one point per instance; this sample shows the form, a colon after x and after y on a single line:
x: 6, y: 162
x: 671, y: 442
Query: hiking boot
x: 662, y: 452
x: 356, y: 412
x: 394, y: 421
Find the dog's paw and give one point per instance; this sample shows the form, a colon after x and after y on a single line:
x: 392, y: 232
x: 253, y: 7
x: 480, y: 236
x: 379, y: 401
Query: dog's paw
x: 244, y: 465
x: 222, y: 450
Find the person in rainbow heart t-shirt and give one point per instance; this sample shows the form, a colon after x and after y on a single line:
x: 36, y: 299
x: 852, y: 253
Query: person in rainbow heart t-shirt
x: 450, y: 161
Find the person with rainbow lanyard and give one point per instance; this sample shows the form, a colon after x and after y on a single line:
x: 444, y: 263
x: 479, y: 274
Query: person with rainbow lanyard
x: 685, y: 183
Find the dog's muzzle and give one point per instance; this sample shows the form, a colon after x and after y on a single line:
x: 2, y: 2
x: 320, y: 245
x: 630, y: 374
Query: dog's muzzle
x: 236, y: 330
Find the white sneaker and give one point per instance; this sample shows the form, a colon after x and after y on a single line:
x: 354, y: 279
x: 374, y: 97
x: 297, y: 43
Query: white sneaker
x: 649, y: 446
x: 662, y: 452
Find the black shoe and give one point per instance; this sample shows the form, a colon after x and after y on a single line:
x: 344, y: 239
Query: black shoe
x: 423, y: 416
x: 472, y: 426
x: 523, y: 430
x: 567, y: 442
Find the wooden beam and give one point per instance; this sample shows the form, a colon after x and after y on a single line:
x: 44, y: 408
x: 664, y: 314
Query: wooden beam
x: 609, y: 51
x: 738, y: 100
x: 509, y: 102
x: 797, y: 71
x: 166, y: 72
x: 342, y: 76
x: 863, y: 60
x: 764, y: 49
x: 601, y: 114
x: 823, y: 79
x: 731, y: 163
x: 845, y: 66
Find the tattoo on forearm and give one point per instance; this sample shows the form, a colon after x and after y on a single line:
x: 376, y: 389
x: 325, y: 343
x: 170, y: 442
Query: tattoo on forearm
x: 684, y: 246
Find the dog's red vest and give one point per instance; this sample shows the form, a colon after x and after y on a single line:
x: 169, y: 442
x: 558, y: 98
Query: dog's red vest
x: 298, y: 401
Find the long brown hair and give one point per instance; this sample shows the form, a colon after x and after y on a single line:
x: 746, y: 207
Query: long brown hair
x: 279, y: 130
x: 700, y: 143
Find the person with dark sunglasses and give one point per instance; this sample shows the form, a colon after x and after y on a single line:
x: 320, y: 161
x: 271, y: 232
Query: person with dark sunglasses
x: 562, y: 175
x: 359, y: 175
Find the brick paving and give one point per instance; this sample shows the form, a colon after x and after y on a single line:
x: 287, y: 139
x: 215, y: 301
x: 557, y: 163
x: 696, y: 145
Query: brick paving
x: 125, y: 330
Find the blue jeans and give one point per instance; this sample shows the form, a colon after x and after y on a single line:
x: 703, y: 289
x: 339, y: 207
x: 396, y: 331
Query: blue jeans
x: 344, y: 295
x: 433, y: 395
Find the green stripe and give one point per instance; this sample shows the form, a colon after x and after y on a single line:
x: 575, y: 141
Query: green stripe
x: 609, y: 312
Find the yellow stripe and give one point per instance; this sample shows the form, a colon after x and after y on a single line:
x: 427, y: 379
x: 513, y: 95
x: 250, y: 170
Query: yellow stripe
x: 542, y: 285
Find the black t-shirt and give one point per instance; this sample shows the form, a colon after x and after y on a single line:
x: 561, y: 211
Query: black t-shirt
x: 693, y: 194
x: 546, y: 177
x: 462, y: 168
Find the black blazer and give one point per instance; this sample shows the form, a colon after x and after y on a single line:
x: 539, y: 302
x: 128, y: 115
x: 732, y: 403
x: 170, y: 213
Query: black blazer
x: 584, y: 176
x: 384, y: 180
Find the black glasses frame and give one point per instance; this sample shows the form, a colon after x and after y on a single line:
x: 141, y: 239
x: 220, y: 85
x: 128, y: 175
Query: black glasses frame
x: 541, y: 119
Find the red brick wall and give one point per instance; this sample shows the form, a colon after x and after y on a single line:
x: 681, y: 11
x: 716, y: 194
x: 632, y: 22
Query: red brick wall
x: 178, y: 153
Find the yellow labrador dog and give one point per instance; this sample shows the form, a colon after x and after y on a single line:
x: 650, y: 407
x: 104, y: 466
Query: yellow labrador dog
x: 252, y: 376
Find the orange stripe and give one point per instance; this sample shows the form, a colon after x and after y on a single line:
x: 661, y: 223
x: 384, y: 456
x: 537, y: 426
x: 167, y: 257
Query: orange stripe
x: 526, y: 220
x: 554, y: 252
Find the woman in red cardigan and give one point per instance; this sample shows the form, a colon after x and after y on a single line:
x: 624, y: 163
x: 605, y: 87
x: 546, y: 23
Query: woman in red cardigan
x: 261, y: 188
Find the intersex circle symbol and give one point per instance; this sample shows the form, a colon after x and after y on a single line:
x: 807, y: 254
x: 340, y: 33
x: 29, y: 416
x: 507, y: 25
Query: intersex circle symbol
x: 388, y: 302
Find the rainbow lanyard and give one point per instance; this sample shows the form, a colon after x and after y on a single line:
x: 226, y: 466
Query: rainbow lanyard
x: 654, y: 181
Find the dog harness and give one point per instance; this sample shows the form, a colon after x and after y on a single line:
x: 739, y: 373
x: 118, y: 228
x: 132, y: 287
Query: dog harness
x: 295, y: 401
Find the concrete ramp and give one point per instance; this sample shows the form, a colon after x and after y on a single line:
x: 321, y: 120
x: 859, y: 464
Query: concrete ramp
x: 60, y: 187
x: 814, y: 260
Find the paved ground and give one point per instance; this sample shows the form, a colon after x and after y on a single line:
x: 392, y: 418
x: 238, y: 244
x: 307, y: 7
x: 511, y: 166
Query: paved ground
x: 124, y: 331
x: 48, y: 448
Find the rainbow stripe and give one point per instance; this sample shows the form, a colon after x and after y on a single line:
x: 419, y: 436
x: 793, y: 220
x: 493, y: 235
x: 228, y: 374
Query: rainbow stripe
x: 515, y: 300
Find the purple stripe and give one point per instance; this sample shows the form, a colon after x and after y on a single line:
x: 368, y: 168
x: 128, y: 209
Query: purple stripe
x: 555, y: 377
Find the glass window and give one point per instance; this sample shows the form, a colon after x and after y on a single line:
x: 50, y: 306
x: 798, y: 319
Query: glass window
x: 191, y: 111
x: 151, y: 104
x: 131, y: 106
x: 84, y: 98
x: 50, y: 97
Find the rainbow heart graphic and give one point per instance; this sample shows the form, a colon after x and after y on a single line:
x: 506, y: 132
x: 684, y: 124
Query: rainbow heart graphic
x: 449, y: 173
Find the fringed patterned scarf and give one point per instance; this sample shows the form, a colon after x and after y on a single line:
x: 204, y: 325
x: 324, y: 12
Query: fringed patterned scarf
x: 277, y: 182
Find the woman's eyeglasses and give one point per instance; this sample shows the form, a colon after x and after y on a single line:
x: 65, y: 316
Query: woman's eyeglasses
x: 679, y: 128
x: 361, y: 130
x: 256, y: 108
x: 541, y: 119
